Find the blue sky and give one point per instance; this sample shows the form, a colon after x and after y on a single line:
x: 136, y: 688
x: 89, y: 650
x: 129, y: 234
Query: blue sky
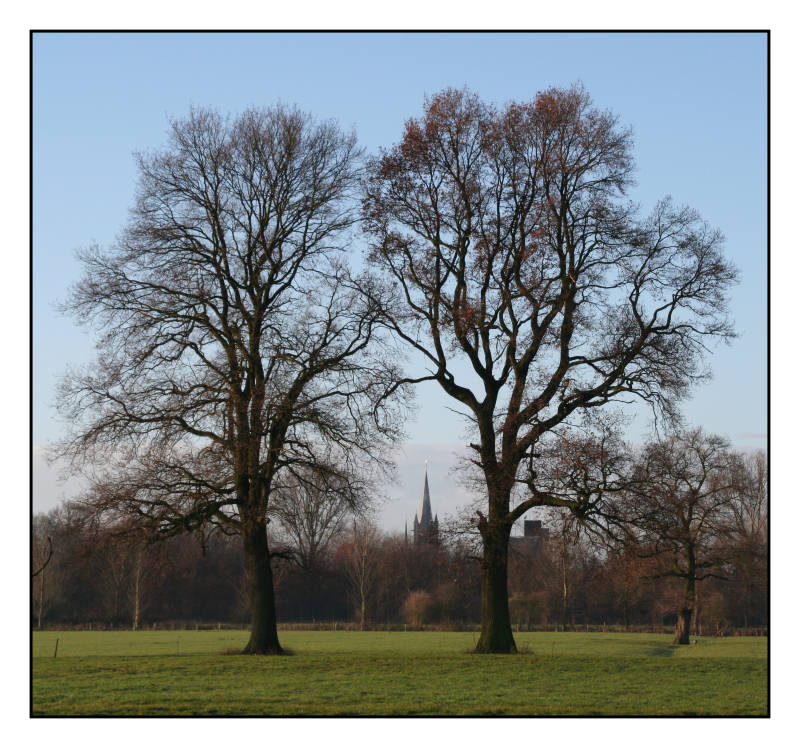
x: 696, y: 102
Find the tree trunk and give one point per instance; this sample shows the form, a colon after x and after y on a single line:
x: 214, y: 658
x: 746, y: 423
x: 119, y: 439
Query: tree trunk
x: 264, y: 628
x: 137, y: 590
x: 625, y: 613
x: 563, y: 581
x: 684, y: 624
x: 41, y: 600
x: 362, y: 584
x: 496, y: 636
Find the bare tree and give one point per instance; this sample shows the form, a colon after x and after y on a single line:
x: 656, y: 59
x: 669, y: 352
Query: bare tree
x: 361, y: 564
x: 311, y: 508
x: 566, y: 536
x: 41, y: 555
x: 234, y: 343
x: 681, y: 499
x: 531, y: 290
x: 750, y: 507
x: 748, y: 530
x: 42, y: 563
x: 145, y: 567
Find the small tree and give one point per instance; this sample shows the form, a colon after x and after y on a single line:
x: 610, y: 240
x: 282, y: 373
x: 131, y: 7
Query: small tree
x: 311, y: 508
x: 361, y: 564
x: 418, y: 608
x: 748, y: 535
x: 681, y: 501
x: 567, y: 531
x: 41, y: 556
x: 628, y: 575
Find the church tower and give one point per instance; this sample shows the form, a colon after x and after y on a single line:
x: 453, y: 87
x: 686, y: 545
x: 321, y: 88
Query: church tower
x: 426, y: 526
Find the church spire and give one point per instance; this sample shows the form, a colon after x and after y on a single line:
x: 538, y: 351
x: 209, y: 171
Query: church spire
x: 426, y: 528
x: 426, y: 516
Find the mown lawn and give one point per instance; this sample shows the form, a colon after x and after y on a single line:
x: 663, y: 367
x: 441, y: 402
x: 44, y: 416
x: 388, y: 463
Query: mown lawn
x: 395, y: 673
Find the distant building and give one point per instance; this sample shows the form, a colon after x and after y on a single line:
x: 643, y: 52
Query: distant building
x: 533, y: 537
x: 426, y: 526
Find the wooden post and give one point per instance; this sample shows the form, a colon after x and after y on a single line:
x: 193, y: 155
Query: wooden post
x: 55, y: 654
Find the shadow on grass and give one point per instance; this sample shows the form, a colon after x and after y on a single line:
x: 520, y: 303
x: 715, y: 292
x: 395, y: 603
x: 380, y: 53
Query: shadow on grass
x: 286, y: 652
x: 662, y: 650
x: 524, y: 650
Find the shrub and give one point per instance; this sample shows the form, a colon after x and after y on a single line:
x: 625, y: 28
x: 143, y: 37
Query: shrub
x: 419, y: 608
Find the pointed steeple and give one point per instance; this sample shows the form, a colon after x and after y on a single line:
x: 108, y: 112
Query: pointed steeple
x: 426, y: 516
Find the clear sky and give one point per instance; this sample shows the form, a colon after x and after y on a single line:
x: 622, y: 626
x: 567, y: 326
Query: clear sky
x: 696, y: 102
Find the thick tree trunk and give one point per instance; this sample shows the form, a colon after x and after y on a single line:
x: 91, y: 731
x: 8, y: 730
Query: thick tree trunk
x: 264, y: 628
x: 684, y: 624
x: 496, y: 636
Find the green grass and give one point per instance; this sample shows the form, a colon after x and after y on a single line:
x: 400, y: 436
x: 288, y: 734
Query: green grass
x: 395, y: 673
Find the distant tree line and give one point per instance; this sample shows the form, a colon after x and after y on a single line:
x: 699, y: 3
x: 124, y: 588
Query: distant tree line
x: 112, y: 575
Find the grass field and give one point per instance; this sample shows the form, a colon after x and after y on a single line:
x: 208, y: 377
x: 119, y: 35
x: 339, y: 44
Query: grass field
x: 395, y: 673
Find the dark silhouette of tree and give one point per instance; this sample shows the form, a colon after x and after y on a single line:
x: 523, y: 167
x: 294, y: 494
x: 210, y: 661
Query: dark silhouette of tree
x: 533, y: 292
x: 235, y: 346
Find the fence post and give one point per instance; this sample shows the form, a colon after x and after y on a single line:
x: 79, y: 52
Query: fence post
x: 55, y: 654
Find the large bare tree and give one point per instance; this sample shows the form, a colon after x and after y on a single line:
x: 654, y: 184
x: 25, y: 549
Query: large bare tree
x: 532, y: 290
x: 235, y: 346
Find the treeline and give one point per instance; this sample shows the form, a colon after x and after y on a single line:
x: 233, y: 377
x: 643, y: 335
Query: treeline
x: 107, y: 577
